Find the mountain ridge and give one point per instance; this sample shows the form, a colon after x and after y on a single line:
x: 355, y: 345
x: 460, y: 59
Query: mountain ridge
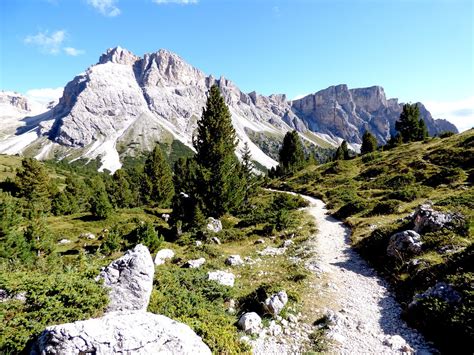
x: 124, y: 104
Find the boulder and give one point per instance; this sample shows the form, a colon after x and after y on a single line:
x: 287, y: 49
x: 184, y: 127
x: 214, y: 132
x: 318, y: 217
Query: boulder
x: 222, y: 277
x: 129, y: 332
x: 234, y: 260
x: 214, y: 225
x: 64, y: 241
x: 89, y: 236
x: 130, y: 279
x: 440, y: 290
x: 216, y: 240
x: 5, y: 296
x: 275, y: 303
x: 250, y: 323
x: 404, y: 244
x: 271, y: 251
x: 426, y: 219
x: 196, y: 263
x: 163, y: 255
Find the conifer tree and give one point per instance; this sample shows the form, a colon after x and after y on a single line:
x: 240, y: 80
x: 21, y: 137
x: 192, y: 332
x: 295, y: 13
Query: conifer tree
x: 100, y: 206
x: 409, y: 123
x: 218, y: 170
x: 369, y: 143
x: 422, y: 130
x: 342, y: 152
x: 291, y: 155
x: 249, y: 179
x: 119, y: 190
x: 33, y: 184
x: 157, y: 183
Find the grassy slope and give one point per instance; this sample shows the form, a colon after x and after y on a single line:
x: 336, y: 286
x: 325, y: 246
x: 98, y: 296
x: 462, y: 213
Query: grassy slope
x: 373, y: 193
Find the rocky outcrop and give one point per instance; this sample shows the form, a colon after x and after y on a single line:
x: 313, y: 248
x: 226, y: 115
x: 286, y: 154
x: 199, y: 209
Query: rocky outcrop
x: 234, y: 260
x: 275, y: 303
x: 404, y: 244
x: 163, y: 255
x: 214, y: 225
x: 222, y: 277
x: 127, y: 332
x: 130, y: 280
x: 131, y: 102
x: 250, y: 323
x: 427, y: 219
x: 195, y: 263
x: 441, y: 291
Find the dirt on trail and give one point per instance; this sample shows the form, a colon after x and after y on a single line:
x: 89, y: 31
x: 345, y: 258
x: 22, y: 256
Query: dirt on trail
x: 365, y: 318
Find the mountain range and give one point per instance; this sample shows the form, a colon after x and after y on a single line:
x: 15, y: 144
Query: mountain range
x: 124, y: 104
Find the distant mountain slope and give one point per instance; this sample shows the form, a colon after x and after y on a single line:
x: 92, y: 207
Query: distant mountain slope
x: 124, y: 104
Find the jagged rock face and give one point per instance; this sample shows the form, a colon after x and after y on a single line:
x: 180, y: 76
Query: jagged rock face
x: 130, y: 279
x: 348, y: 113
x: 124, y: 104
x: 120, y: 332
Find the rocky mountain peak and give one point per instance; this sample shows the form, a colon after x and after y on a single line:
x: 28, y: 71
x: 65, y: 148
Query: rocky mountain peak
x: 118, y: 55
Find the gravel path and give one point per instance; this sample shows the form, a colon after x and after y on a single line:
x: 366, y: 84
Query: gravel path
x: 365, y: 316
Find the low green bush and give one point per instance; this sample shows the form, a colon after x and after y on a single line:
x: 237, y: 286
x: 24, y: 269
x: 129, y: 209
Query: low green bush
x: 351, y: 208
x: 406, y: 194
x: 401, y: 180
x: 385, y: 207
x: 188, y: 296
x: 446, y: 176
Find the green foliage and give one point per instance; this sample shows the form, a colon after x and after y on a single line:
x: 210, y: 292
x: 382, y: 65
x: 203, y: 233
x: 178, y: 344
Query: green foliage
x: 369, y: 143
x: 33, y: 184
x: 38, y: 236
x: 446, y: 176
x: 385, y: 207
x: 410, y: 126
x: 401, y: 180
x: 199, y: 303
x: 446, y: 134
x: 157, y: 182
x: 146, y: 234
x: 119, y: 191
x: 351, y: 208
x: 52, y: 297
x: 219, y: 187
x: 112, y: 241
x: 291, y: 155
x: 100, y: 206
x: 407, y: 193
x: 342, y: 152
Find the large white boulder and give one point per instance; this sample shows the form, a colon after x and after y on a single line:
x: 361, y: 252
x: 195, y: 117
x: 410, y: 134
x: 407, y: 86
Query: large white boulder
x: 129, y: 332
x: 130, y: 280
x: 222, y: 277
x: 404, y: 244
x: 195, y: 263
x: 275, y: 303
x: 250, y: 323
x: 163, y: 255
x: 214, y: 225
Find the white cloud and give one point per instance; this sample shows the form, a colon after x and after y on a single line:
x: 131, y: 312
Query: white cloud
x: 44, y: 95
x: 460, y: 112
x: 182, y: 2
x: 47, y: 43
x: 105, y: 7
x: 73, y: 51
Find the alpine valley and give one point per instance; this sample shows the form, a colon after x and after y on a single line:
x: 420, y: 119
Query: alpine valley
x: 124, y: 104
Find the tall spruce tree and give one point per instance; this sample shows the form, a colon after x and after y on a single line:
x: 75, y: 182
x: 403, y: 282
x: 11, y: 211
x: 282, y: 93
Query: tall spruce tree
x: 119, y: 191
x: 369, y: 143
x: 157, y: 183
x: 342, y: 152
x: 409, y: 123
x: 422, y: 130
x: 100, y: 206
x: 291, y: 155
x: 218, y: 170
x: 33, y: 183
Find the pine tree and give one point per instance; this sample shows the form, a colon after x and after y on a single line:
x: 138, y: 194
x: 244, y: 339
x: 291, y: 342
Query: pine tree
x: 119, y: 190
x: 37, y: 235
x: 60, y: 204
x: 409, y: 123
x: 342, y: 152
x: 33, y: 184
x: 249, y: 179
x: 219, y: 182
x: 422, y: 130
x: 157, y: 183
x: 369, y: 143
x: 291, y: 155
x: 100, y: 206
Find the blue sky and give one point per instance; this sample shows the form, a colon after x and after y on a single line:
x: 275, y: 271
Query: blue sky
x: 418, y: 50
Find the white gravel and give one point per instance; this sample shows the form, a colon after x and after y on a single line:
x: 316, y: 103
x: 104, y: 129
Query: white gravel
x: 367, y: 317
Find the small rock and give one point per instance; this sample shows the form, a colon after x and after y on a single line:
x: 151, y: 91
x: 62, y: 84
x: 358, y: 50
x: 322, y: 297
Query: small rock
x: 395, y: 342
x: 198, y: 243
x: 274, y: 329
x: 214, y: 225
x: 441, y: 290
x: 271, y: 251
x: 165, y: 216
x: 216, y: 240
x: 250, y: 323
x: 287, y: 243
x: 275, y: 303
x: 196, y: 263
x: 222, y: 277
x: 163, y: 255
x: 260, y: 241
x: 404, y: 244
x: 89, y: 236
x: 234, y: 260
x: 64, y: 241
x: 292, y: 318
